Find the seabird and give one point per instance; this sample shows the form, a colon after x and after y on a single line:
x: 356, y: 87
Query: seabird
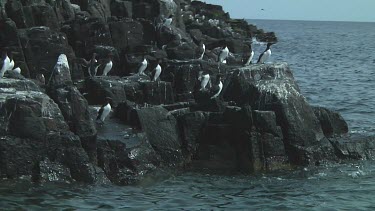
x: 104, y: 110
x: 11, y: 64
x: 204, y: 50
x: 168, y: 21
x: 249, y: 60
x: 41, y: 79
x: 6, y: 63
x: 17, y: 70
x: 224, y: 53
x: 142, y: 66
x: 108, y: 65
x: 157, y: 71
x: 218, y: 87
x: 204, y: 79
x: 92, y: 65
x: 265, y: 55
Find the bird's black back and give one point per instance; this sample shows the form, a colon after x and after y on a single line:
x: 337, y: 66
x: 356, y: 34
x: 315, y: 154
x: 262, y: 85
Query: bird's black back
x: 100, y: 112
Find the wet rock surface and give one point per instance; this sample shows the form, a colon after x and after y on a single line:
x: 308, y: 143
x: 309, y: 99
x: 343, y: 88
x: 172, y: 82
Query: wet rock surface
x: 49, y: 130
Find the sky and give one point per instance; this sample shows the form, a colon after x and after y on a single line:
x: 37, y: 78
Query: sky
x: 322, y: 10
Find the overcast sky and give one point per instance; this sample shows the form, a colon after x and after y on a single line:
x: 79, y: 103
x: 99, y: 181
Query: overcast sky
x: 329, y: 10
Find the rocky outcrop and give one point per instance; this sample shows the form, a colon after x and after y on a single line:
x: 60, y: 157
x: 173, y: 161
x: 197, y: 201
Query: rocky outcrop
x: 34, y: 132
x: 48, y: 130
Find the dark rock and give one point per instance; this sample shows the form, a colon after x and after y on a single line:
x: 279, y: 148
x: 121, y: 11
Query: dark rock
x: 100, y: 9
x: 272, y: 87
x: 126, y: 157
x: 358, y: 147
x: 126, y: 33
x: 162, y: 132
x: 265, y: 121
x: 33, y: 129
x: 99, y: 88
x: 44, y: 15
x: 42, y: 47
x: 157, y: 93
x: 333, y: 124
x: 191, y: 127
x: 75, y: 110
x: 48, y: 171
x: 9, y: 37
x: 122, y: 8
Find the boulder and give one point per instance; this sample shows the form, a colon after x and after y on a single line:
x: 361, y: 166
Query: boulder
x: 99, y: 88
x: 333, y: 124
x: 162, y: 132
x: 33, y: 129
x: 272, y: 87
x: 42, y: 46
x: 74, y: 108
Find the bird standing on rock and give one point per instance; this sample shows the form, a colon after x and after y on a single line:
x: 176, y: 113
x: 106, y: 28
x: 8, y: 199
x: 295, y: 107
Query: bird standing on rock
x: 108, y: 65
x: 168, y: 21
x: 224, y: 53
x: 92, y: 65
x: 203, y: 48
x: 142, y: 66
x: 104, y: 110
x: 17, y: 70
x: 217, y: 88
x: 11, y: 64
x: 157, y: 72
x: 5, y: 63
x: 249, y: 60
x: 204, y: 79
x: 265, y: 55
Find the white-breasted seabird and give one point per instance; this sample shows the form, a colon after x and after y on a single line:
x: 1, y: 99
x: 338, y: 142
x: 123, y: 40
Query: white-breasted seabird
x: 203, y: 48
x: 142, y: 66
x: 204, y: 79
x: 17, y: 70
x: 218, y: 87
x: 104, y: 110
x: 108, y: 65
x: 224, y: 53
x: 265, y: 55
x: 250, y: 58
x: 157, y: 72
x: 6, y: 63
x: 168, y: 21
x: 11, y: 64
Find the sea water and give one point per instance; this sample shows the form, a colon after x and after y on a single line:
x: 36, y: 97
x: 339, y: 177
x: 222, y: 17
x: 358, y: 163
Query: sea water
x: 334, y: 65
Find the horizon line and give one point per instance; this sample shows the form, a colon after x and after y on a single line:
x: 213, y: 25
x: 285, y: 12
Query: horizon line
x: 268, y: 19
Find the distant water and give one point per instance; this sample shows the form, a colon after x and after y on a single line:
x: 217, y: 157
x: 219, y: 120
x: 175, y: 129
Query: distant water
x: 334, y: 65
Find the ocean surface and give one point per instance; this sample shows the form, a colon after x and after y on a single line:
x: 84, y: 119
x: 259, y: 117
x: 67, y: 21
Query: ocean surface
x: 334, y: 64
